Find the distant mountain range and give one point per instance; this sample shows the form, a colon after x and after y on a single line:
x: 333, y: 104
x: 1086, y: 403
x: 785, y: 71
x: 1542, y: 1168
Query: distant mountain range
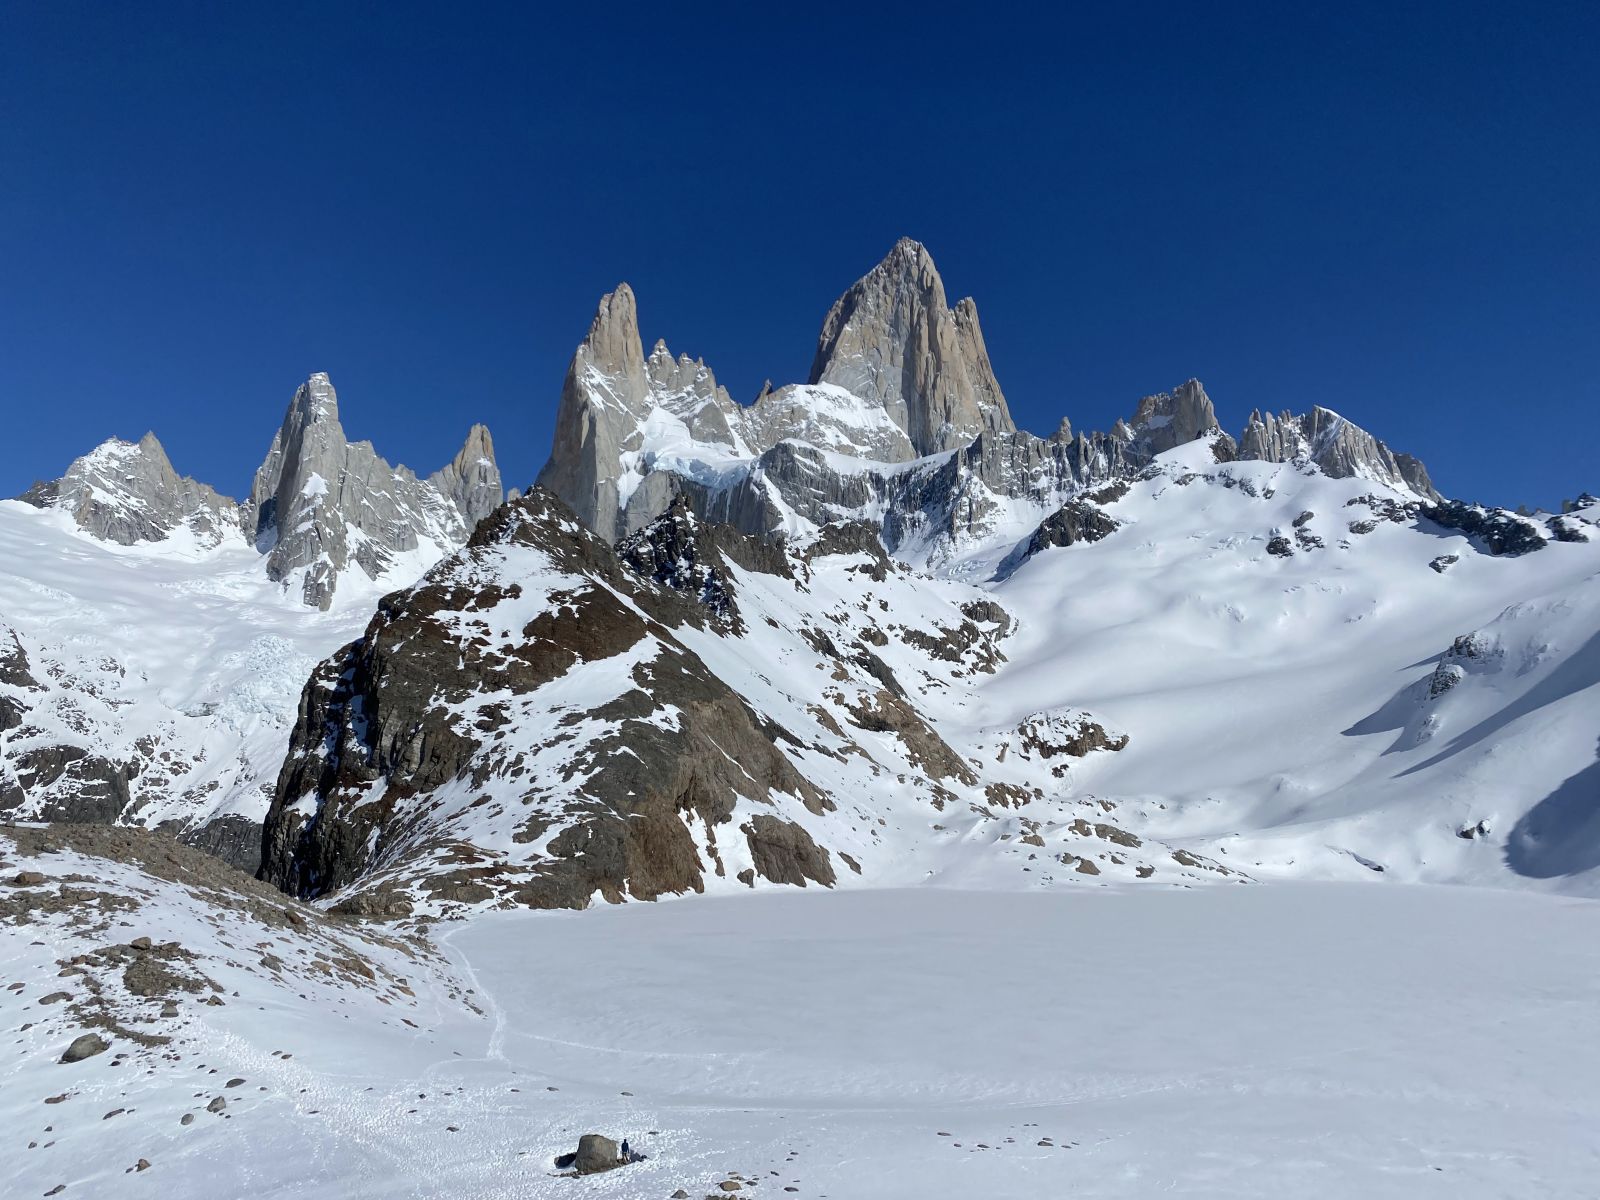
x: 863, y: 631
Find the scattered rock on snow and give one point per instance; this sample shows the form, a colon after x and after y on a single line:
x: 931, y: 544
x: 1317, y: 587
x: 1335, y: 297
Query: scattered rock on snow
x: 85, y: 1045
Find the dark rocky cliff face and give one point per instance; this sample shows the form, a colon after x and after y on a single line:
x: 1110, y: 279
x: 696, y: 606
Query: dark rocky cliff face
x: 421, y: 735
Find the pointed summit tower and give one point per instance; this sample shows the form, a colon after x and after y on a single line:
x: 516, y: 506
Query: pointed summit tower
x: 321, y: 502
x: 894, y: 341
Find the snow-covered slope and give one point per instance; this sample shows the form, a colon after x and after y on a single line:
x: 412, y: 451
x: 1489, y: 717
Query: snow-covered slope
x: 1210, y: 670
x: 1155, y: 652
x: 905, y: 1045
x: 164, y: 675
x: 247, y: 1045
x: 987, y: 701
x: 1317, y: 683
x: 155, y: 635
x: 544, y: 720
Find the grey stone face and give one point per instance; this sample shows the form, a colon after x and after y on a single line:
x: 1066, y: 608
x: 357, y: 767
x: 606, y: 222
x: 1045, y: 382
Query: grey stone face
x: 1171, y: 419
x: 604, y: 401
x: 321, y: 503
x: 898, y: 375
x: 1339, y: 448
x: 471, y: 481
x: 894, y: 341
x: 127, y: 492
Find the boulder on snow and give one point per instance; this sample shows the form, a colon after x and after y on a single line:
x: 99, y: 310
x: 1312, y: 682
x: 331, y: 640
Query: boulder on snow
x: 595, y: 1153
x: 85, y: 1045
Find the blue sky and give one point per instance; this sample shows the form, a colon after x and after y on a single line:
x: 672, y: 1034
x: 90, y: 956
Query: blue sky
x: 1393, y: 211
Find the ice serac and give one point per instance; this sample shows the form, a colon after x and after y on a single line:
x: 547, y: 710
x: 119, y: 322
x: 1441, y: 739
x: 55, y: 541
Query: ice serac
x: 128, y: 492
x: 321, y: 503
x: 1341, y: 449
x: 893, y: 341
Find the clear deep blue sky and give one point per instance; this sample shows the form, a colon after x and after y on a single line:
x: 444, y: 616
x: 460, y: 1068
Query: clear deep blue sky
x: 1391, y: 210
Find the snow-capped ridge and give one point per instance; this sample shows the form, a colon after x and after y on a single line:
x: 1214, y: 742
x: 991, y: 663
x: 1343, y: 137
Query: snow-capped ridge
x: 318, y: 504
x: 1337, y: 447
x: 902, y: 423
x: 128, y: 493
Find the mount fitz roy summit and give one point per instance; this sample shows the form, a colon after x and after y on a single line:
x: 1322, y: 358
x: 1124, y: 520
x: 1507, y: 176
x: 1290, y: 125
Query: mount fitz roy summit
x: 863, y: 631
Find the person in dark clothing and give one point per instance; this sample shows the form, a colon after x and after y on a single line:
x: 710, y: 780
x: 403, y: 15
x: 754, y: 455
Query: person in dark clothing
x: 625, y: 1155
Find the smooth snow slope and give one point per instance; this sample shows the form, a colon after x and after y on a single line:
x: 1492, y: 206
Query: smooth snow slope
x: 1281, y: 710
x: 1306, y: 1040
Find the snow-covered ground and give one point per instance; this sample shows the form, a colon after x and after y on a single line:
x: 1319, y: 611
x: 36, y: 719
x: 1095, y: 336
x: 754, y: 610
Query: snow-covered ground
x: 1282, y: 711
x: 1304, y: 1039
x: 181, y: 656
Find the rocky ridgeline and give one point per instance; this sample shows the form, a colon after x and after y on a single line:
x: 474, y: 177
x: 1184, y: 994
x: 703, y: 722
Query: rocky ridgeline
x: 319, y: 503
x: 709, y: 646
x: 901, y: 383
x: 601, y: 790
x: 127, y: 492
x: 546, y: 718
x: 893, y: 341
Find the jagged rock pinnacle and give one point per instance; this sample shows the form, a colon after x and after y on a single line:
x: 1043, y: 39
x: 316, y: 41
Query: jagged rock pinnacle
x: 894, y: 341
x: 321, y: 502
x: 128, y: 492
x: 1339, y: 448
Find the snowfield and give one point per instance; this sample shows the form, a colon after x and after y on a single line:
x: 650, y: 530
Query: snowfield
x: 176, y: 653
x: 1308, y: 1040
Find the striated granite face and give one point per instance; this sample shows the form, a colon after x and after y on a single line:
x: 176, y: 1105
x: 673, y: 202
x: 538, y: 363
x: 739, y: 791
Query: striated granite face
x: 893, y: 341
x: 1168, y: 420
x: 898, y: 375
x: 127, y: 492
x: 606, y: 398
x: 1339, y: 448
x: 471, y: 480
x: 321, y: 503
x: 902, y: 424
